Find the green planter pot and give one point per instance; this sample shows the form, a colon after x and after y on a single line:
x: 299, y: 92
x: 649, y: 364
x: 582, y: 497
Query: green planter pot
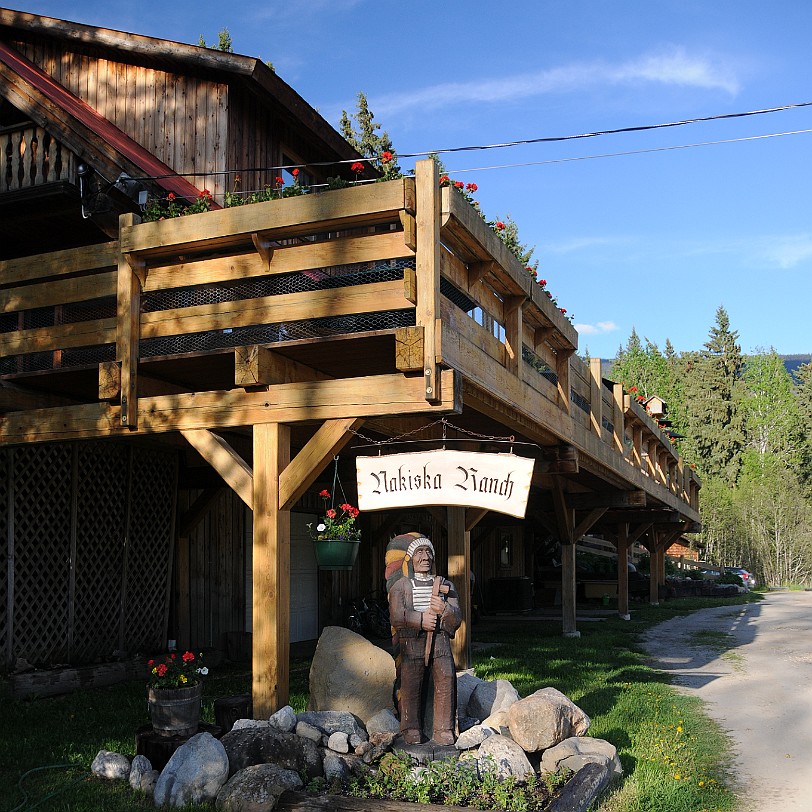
x: 336, y: 555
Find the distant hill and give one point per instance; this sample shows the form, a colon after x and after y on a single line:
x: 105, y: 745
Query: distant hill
x: 791, y: 362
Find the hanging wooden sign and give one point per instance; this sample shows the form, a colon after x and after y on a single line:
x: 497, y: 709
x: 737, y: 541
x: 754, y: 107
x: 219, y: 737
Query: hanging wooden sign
x: 499, y: 482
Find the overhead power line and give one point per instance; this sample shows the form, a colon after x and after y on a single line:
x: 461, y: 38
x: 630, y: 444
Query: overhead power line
x: 527, y: 141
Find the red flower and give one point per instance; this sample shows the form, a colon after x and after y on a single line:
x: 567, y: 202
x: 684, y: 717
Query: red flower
x: 205, y: 194
x: 357, y: 167
x: 500, y: 225
x: 188, y: 657
x: 170, y: 196
x: 632, y: 389
x: 150, y: 662
x: 459, y: 184
x: 386, y: 156
x: 173, y: 655
x: 542, y: 282
x: 280, y: 180
x: 471, y: 187
x: 444, y: 179
x: 331, y: 514
x: 563, y: 309
x: 161, y: 669
x: 295, y: 173
x: 549, y: 295
x: 346, y: 507
x: 325, y: 494
x: 353, y: 511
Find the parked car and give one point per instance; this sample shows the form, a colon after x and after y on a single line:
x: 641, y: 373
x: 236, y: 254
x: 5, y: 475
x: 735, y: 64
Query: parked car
x: 747, y: 578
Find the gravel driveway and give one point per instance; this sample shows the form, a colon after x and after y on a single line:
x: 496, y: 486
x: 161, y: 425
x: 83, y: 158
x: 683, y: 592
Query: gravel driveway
x: 752, y: 666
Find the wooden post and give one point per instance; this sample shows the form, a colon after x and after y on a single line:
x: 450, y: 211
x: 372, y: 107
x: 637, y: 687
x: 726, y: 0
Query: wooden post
x: 271, y: 572
x: 565, y: 520
x: 617, y: 417
x: 183, y: 616
x: 623, y: 570
x: 128, y: 327
x: 637, y: 446
x: 652, y: 457
x: 427, y: 310
x: 513, y: 333
x: 562, y: 374
x: 596, y: 396
x: 459, y: 573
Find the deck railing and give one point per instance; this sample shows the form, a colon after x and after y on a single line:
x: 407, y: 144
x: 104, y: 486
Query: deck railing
x: 400, y: 257
x: 31, y: 156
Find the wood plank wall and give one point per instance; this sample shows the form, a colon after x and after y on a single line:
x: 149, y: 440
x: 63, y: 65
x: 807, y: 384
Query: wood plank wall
x: 182, y: 120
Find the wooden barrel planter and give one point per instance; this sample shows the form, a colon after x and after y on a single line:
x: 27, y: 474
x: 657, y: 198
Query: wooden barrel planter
x: 337, y: 555
x: 175, y: 711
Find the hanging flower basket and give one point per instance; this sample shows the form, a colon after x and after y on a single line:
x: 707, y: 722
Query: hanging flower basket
x: 337, y: 554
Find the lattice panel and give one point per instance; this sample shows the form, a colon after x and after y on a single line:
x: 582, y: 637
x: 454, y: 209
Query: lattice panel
x: 42, y: 535
x: 102, y: 515
x: 149, y: 546
x: 5, y: 463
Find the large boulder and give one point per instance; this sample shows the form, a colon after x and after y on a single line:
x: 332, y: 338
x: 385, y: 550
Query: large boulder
x: 250, y: 746
x: 544, y: 719
x: 503, y: 756
x: 257, y: 788
x: 488, y: 698
x: 349, y: 673
x: 194, y: 773
x: 575, y: 752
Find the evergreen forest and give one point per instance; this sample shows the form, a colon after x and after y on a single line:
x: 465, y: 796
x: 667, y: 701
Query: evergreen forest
x: 745, y: 423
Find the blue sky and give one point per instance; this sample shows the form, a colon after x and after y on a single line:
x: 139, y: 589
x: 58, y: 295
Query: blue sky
x: 656, y: 240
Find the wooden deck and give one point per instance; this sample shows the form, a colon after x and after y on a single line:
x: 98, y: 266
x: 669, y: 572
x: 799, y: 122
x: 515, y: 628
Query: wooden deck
x: 297, y: 321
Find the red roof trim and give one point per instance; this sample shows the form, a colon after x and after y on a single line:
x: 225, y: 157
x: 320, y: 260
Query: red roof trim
x: 98, y: 124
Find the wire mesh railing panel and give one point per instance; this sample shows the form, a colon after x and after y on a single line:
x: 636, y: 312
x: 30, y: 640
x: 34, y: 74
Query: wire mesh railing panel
x: 149, y: 546
x: 101, y: 513
x: 42, y: 552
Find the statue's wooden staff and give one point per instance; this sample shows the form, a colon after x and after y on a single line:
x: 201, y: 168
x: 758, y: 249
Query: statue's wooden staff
x: 437, y: 588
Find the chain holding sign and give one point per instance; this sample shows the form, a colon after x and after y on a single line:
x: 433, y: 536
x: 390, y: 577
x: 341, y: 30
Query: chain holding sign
x: 499, y: 482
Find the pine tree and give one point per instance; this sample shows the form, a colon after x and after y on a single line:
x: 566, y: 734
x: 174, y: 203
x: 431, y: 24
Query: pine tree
x: 712, y: 386
x: 224, y: 42
x: 363, y: 135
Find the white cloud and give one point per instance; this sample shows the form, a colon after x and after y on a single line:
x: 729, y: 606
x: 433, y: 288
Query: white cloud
x: 570, y: 246
x: 673, y: 66
x: 789, y: 251
x: 596, y: 329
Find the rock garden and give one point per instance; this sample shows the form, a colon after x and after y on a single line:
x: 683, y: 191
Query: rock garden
x: 348, y: 742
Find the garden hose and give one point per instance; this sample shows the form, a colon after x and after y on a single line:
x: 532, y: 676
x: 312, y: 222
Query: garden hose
x: 24, y: 806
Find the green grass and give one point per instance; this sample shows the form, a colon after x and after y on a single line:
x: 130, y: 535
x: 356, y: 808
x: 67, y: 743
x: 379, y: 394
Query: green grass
x: 674, y: 759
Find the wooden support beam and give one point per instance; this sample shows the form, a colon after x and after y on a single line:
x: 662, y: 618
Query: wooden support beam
x: 587, y: 523
x: 477, y: 271
x: 255, y: 365
x: 617, y: 417
x: 562, y: 373
x: 264, y: 248
x: 197, y: 511
x: 110, y: 381
x: 473, y: 516
x: 370, y: 396
x: 459, y: 573
x: 409, y: 230
x: 595, y: 396
x: 606, y: 499
x: 271, y: 573
x: 558, y: 459
x: 622, y: 544
x: 319, y: 450
x: 541, y: 334
x: 410, y: 285
x: 513, y: 332
x: 225, y: 460
x: 637, y: 446
x: 565, y: 520
x: 409, y: 349
x: 428, y: 268
x: 129, y: 282
x: 438, y: 514
x: 638, y: 531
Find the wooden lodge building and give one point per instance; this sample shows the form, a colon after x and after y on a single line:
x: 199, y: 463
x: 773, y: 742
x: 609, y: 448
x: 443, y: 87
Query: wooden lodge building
x: 175, y: 394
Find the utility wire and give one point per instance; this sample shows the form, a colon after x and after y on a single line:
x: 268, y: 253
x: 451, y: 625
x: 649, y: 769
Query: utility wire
x: 630, y: 152
x: 505, y: 144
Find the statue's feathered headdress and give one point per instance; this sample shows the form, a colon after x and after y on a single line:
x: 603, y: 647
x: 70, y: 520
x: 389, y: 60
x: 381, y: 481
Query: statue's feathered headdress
x: 399, y: 554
